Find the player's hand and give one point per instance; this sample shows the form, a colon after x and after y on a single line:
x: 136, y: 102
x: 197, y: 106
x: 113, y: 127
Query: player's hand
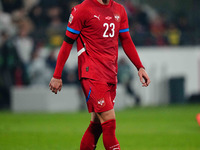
x: 144, y: 78
x: 55, y: 85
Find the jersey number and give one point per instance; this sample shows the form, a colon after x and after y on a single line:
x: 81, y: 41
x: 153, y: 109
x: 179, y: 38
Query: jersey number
x: 112, y: 26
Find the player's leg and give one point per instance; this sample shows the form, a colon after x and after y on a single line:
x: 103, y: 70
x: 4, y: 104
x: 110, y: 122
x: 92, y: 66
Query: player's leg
x: 100, y: 98
x: 92, y: 134
x: 106, y: 116
x: 94, y: 130
x: 108, y: 124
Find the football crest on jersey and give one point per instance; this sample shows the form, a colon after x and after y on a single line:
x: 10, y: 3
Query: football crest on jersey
x: 101, y: 103
x: 117, y: 17
x: 71, y: 18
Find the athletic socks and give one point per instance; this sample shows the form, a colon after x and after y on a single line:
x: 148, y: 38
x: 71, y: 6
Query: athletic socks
x: 91, y: 136
x: 109, y: 139
x: 93, y: 132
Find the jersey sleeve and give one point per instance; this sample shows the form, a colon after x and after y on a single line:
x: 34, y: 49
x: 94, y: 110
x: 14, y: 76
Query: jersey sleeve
x: 76, y: 20
x: 124, y: 27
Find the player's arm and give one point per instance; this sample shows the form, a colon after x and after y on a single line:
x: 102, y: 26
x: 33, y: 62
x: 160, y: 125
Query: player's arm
x: 74, y: 27
x: 129, y: 48
x: 56, y: 81
x: 131, y: 52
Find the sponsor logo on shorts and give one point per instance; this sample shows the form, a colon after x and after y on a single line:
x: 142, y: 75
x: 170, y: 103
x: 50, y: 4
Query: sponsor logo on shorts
x: 101, y: 103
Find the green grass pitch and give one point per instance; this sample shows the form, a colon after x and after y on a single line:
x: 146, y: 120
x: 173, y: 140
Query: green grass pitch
x: 145, y: 128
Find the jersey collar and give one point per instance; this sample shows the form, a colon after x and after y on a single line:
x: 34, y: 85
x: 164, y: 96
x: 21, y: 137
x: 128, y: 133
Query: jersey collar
x: 101, y: 5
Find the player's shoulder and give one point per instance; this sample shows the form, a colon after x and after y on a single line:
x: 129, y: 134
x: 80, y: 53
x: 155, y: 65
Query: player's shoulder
x: 118, y: 6
x: 82, y: 7
x: 77, y: 8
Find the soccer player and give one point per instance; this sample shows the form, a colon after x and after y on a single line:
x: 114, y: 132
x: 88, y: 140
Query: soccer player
x: 96, y: 26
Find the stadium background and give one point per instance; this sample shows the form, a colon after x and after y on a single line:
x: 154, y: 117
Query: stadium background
x: 167, y: 36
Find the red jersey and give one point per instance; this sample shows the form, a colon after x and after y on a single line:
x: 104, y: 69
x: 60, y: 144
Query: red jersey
x: 97, y: 45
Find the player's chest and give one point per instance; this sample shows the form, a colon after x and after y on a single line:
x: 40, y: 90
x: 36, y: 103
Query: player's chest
x: 106, y: 22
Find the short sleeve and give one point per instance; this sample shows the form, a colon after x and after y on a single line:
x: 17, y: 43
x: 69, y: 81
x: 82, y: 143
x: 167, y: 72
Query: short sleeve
x: 76, y: 20
x: 124, y: 22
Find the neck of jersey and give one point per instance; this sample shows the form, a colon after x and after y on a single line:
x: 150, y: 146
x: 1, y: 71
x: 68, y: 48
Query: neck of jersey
x: 103, y: 5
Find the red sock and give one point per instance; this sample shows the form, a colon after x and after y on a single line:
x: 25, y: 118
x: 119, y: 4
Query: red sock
x: 91, y: 136
x: 109, y: 139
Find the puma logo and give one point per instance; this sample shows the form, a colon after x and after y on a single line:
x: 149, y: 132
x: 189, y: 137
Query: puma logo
x: 98, y: 17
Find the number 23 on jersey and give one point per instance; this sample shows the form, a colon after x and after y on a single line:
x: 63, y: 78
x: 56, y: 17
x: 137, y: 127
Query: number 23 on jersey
x: 107, y: 26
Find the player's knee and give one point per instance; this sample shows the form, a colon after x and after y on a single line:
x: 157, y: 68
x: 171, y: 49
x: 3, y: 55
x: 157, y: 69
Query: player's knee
x: 107, y: 115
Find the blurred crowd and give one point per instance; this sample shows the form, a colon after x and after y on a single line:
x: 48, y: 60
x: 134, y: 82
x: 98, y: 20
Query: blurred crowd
x: 31, y: 32
x: 151, y: 27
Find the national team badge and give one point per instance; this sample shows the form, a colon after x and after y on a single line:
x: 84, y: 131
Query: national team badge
x: 101, y: 103
x: 71, y: 18
x: 117, y: 18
